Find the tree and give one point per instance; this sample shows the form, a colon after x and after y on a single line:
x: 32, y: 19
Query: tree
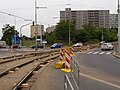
x: 91, y: 30
x: 51, y: 38
x: 8, y: 31
x: 62, y: 30
x: 82, y: 36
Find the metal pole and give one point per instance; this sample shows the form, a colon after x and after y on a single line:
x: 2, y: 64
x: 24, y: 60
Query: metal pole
x: 118, y: 27
x: 14, y: 28
x: 41, y: 33
x: 69, y: 31
x: 102, y: 35
x: 21, y: 32
x: 36, y: 24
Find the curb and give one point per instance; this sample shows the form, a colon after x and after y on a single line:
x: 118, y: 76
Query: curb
x: 114, y: 54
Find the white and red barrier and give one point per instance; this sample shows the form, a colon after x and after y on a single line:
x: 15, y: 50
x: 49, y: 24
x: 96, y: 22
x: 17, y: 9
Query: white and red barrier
x: 81, y: 49
x: 61, y: 54
x: 88, y: 47
x: 72, y: 51
x: 67, y: 58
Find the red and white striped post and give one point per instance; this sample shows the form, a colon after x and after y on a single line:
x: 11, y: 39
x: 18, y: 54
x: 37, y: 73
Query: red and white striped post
x: 67, y: 58
x: 61, y: 54
x: 81, y: 49
x: 88, y: 48
x: 67, y: 61
x: 72, y: 51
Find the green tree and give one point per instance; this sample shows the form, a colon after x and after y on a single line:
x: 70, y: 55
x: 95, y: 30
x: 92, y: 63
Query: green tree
x: 51, y: 38
x: 91, y: 30
x: 82, y: 36
x: 62, y: 30
x: 8, y: 31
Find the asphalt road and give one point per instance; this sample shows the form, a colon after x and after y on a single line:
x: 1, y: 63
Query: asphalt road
x: 99, y: 70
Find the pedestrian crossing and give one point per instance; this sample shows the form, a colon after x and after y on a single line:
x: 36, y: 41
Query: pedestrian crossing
x: 99, y: 52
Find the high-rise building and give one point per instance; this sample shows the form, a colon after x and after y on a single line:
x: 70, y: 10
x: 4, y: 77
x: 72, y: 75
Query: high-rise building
x: 37, y: 30
x: 113, y: 20
x: 98, y: 18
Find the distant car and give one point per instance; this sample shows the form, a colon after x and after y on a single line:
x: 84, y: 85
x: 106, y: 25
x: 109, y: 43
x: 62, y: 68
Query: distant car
x: 102, y: 42
x: 77, y: 44
x: 38, y: 46
x: 56, y: 45
x: 15, y: 46
x: 107, y: 46
x: 3, y: 44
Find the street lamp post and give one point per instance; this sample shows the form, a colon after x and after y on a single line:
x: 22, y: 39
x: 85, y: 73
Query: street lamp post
x: 21, y: 32
x: 69, y: 30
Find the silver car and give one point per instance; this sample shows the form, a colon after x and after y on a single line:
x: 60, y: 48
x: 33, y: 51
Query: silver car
x: 107, y: 46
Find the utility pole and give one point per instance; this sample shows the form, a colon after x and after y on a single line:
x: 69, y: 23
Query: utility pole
x: 36, y: 26
x: 118, y: 27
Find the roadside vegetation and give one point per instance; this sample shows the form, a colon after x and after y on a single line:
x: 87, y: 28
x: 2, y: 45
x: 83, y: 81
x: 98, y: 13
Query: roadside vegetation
x: 87, y: 35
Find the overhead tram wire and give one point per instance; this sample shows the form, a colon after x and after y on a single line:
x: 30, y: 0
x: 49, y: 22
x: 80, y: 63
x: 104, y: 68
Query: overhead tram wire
x: 15, y: 16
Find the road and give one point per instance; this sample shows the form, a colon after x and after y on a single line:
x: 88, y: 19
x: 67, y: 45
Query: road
x: 99, y: 70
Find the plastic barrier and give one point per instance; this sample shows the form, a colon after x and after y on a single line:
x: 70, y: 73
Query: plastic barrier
x: 67, y: 60
x: 81, y: 49
x: 62, y: 54
x: 61, y: 63
x: 72, y: 52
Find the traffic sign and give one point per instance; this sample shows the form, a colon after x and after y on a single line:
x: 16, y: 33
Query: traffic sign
x: 15, y: 39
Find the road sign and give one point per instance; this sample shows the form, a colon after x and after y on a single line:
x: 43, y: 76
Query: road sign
x: 15, y: 39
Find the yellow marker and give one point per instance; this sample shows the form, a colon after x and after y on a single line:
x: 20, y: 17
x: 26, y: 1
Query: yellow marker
x: 66, y: 70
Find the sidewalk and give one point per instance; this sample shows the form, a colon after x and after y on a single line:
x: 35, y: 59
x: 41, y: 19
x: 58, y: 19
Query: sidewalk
x: 50, y: 79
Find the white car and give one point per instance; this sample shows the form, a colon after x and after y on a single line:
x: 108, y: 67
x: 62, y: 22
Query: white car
x: 107, y: 46
x: 78, y: 44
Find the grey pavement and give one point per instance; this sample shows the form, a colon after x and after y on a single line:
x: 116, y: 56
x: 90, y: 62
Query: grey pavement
x: 50, y: 79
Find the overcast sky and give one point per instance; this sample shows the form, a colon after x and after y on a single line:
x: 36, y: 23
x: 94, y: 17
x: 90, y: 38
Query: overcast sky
x: 25, y: 8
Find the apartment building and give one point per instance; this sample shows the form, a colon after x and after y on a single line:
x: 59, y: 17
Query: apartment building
x: 98, y: 18
x: 113, y: 20
x: 37, y: 30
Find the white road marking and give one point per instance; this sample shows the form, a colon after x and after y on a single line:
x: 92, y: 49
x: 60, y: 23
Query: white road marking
x: 100, y: 80
x: 102, y: 53
x: 95, y: 52
x: 108, y: 53
x: 89, y: 52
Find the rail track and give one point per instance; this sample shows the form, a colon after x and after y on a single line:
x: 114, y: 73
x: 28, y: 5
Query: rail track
x: 15, y: 71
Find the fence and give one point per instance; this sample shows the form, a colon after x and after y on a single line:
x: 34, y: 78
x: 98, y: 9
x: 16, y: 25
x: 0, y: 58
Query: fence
x: 72, y: 78
x: 68, y: 84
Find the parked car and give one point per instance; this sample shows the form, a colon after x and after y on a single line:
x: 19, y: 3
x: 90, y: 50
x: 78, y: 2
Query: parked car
x: 107, y: 46
x: 56, y: 45
x: 3, y: 44
x: 77, y: 44
x: 38, y: 46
